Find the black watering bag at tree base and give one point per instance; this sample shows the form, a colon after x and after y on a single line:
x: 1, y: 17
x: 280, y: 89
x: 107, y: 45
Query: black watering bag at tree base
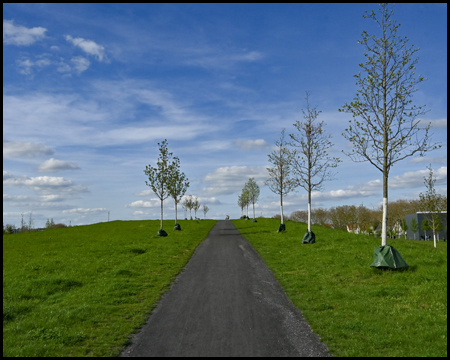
x: 162, y: 233
x: 309, y: 238
x: 388, y: 257
x: 281, y: 228
x: 177, y: 227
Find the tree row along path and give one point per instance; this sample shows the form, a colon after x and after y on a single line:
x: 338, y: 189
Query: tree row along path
x: 225, y: 302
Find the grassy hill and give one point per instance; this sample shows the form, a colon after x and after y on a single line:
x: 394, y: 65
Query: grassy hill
x: 81, y: 291
x: 358, y: 310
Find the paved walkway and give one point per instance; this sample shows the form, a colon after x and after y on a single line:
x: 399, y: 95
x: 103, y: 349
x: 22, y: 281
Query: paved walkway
x: 226, y: 302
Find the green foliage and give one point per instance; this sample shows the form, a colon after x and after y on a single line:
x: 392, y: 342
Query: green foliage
x: 82, y: 291
x: 432, y: 204
x: 251, y: 190
x: 357, y: 310
x: 177, y: 184
x: 414, y: 227
x: 205, y: 210
x: 404, y: 227
x: 425, y: 225
x: 384, y: 129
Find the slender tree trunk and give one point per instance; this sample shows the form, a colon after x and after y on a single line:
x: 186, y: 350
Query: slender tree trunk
x: 176, y: 212
x: 281, y: 205
x: 161, y: 214
x: 253, y: 210
x: 309, y: 209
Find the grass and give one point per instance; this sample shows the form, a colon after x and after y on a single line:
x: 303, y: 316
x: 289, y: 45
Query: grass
x: 358, y: 310
x: 81, y: 291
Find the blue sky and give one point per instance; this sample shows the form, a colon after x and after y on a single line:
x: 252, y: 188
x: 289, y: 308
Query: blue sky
x: 89, y: 90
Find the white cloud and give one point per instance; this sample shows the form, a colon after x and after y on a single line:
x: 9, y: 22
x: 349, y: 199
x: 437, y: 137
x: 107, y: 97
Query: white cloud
x: 247, y: 145
x: 46, y: 184
x: 440, y: 123
x: 415, y: 179
x: 24, y: 149
x: 16, y: 198
x: 251, y: 56
x: 20, y: 35
x: 429, y: 160
x: 220, y: 60
x: 228, y: 180
x: 7, y: 175
x: 26, y: 65
x: 53, y: 165
x: 145, y: 193
x: 52, y: 198
x: 144, y: 204
x: 84, y: 212
x: 88, y: 46
x: 80, y: 64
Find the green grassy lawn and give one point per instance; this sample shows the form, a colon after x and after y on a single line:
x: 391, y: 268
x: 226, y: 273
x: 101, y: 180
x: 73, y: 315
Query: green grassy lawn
x: 358, y: 310
x: 81, y: 291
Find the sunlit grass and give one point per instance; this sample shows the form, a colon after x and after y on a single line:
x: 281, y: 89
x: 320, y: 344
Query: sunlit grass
x: 81, y: 291
x: 358, y: 310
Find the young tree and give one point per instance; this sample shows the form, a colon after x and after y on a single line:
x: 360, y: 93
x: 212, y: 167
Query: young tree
x: 185, y: 204
x: 22, y: 224
x: 414, y: 227
x: 280, y: 179
x: 432, y: 204
x: 245, y: 198
x: 189, y: 204
x: 205, y: 210
x: 195, y: 206
x: 160, y: 176
x: 30, y: 222
x: 241, y: 203
x: 253, y: 193
x: 404, y: 227
x: 384, y: 129
x: 177, y: 185
x: 312, y: 165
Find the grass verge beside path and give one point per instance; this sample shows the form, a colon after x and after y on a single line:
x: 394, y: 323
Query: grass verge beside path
x: 358, y: 310
x: 81, y: 291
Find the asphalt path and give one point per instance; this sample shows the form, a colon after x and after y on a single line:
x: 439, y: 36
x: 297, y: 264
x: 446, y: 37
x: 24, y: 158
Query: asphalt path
x: 225, y: 302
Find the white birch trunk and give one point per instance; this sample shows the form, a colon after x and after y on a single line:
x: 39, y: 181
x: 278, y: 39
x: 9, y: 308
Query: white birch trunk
x: 176, y: 212
x: 384, y: 222
x: 161, y: 214
x: 309, y: 217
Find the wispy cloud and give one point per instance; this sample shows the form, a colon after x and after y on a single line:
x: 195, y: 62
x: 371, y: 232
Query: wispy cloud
x: 88, y: 46
x: 53, y: 165
x: 229, y: 180
x: 13, y: 149
x: 44, y: 184
x: 144, y: 204
x: 247, y: 145
x: 439, y: 124
x: 215, y: 59
x: 20, y: 35
x: 84, y: 212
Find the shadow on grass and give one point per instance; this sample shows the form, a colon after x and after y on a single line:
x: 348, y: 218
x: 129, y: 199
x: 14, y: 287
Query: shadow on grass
x: 412, y: 268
